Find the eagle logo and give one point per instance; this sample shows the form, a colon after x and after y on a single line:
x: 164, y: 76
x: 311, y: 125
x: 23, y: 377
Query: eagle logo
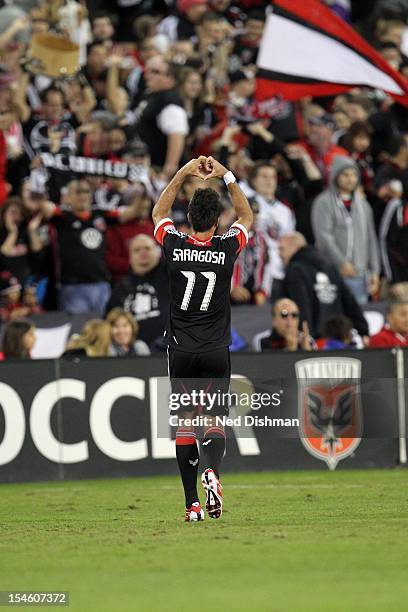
x: 329, y: 405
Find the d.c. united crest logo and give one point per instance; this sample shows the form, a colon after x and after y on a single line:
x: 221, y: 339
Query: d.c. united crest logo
x: 329, y: 406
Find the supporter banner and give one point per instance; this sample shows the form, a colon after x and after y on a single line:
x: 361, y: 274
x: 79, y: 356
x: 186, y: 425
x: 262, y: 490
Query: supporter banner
x: 99, y: 418
x: 307, y: 50
x: 95, y: 167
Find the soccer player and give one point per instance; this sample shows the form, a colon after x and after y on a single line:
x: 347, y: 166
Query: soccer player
x: 199, y: 331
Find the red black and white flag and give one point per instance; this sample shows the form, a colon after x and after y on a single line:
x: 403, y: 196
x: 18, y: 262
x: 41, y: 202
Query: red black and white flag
x: 307, y: 50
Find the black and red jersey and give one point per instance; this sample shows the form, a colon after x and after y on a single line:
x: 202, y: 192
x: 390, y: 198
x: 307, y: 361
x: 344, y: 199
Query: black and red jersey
x: 81, y: 244
x: 200, y: 282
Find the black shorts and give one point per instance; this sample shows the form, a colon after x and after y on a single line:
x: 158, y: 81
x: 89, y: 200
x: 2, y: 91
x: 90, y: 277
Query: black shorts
x: 209, y: 372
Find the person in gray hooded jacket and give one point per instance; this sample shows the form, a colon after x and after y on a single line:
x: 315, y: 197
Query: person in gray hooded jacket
x: 344, y: 230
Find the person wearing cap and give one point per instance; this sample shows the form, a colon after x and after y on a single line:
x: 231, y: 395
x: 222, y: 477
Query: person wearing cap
x: 246, y: 45
x: 344, y: 230
x: 182, y: 26
x: 242, y: 88
x: 319, y: 144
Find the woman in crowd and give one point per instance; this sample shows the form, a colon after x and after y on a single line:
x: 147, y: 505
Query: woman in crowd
x: 18, y: 340
x: 20, y: 245
x: 199, y: 112
x: 357, y: 141
x: 93, y: 341
x: 124, y: 330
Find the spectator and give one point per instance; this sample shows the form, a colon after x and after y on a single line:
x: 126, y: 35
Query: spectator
x: 344, y: 230
x: 392, y: 54
x: 21, y: 249
x: 247, y: 283
x: 394, y: 241
x: 246, y: 45
x: 103, y: 27
x: 119, y: 236
x: 144, y: 291
x: 93, y: 341
x: 357, y: 141
x: 395, y: 331
x: 10, y: 297
x: 95, y: 69
x: 337, y: 332
x: 182, y: 25
x: 394, y: 168
x: 18, y: 339
x: 316, y: 286
x: 162, y: 122
x: 399, y: 292
x: 200, y: 116
x: 242, y: 89
x: 54, y: 130
x: 124, y: 332
x: 81, y: 248
x: 285, y: 332
x: 320, y: 146
x: 359, y: 108
x: 274, y: 220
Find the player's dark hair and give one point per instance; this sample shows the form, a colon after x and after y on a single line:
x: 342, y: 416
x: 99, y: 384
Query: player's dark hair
x: 204, y: 209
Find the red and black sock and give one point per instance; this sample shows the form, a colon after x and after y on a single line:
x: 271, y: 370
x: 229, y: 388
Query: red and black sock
x: 213, y: 446
x: 188, y: 459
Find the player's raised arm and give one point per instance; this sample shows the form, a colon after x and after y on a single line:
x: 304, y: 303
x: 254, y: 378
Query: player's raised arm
x: 162, y: 208
x: 238, y: 198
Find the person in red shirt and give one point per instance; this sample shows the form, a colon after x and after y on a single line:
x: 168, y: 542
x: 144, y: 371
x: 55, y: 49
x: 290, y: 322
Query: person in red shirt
x: 320, y: 146
x: 395, y: 331
x: 119, y: 237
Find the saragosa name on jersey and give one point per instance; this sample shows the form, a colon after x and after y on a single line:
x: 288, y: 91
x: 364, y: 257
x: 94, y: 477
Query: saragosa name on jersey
x: 203, y: 256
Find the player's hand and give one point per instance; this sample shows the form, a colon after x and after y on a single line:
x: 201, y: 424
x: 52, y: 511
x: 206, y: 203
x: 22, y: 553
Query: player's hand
x: 214, y: 169
x: 195, y: 167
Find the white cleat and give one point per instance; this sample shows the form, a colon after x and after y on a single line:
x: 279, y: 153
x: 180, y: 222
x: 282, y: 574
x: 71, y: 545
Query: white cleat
x: 213, y: 493
x: 194, y: 513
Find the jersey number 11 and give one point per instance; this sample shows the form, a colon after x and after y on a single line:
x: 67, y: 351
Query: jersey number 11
x: 191, y: 278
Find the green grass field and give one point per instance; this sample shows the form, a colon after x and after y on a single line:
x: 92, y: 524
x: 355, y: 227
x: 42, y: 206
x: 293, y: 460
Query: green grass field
x: 286, y: 542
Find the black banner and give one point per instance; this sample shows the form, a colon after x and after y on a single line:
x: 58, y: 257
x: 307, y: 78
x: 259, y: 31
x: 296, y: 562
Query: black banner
x: 94, y: 167
x: 99, y: 418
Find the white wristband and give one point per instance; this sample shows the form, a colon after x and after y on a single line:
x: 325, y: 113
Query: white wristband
x: 229, y: 178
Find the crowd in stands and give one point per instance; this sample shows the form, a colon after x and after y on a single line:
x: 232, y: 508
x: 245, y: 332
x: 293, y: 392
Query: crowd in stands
x: 82, y: 161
